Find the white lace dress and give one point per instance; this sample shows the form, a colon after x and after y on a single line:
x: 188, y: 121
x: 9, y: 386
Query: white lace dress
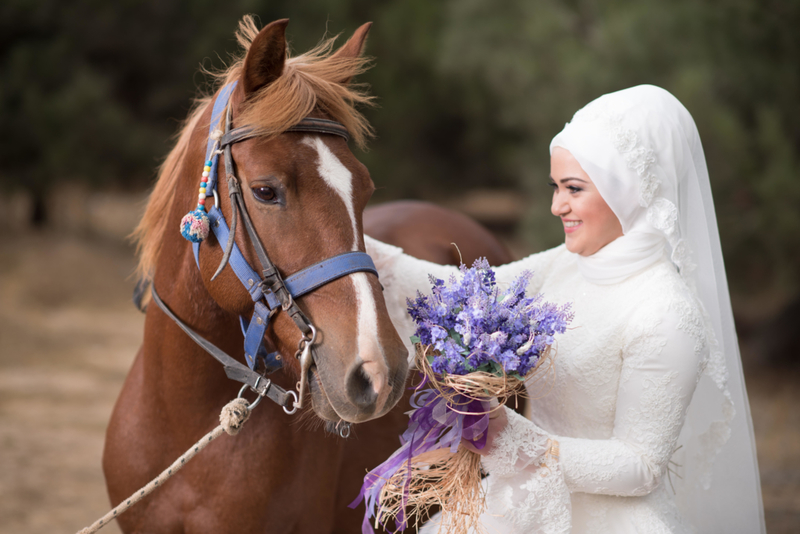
x: 624, y: 374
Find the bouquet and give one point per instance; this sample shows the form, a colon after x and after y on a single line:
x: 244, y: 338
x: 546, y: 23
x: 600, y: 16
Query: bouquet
x: 474, y: 343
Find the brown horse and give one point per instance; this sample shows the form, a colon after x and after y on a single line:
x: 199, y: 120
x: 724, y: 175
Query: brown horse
x: 305, y: 194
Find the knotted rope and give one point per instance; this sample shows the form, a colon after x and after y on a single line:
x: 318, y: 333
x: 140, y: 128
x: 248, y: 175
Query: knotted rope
x: 231, y: 418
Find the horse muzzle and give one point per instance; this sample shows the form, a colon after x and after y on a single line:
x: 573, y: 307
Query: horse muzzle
x: 365, y: 390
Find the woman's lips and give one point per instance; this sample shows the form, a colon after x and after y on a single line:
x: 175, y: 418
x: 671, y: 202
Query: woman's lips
x: 571, y: 226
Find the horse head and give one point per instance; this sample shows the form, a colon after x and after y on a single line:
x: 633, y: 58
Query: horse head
x: 304, y: 193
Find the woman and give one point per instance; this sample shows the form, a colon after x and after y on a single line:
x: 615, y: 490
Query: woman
x: 644, y: 430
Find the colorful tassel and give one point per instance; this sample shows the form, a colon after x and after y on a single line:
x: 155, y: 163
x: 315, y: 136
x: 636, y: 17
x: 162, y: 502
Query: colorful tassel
x: 195, y: 225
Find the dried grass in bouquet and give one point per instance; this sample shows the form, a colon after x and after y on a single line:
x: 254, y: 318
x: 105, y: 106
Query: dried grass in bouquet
x: 476, y: 346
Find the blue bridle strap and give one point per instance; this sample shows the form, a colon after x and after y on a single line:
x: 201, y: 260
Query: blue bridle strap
x: 246, y: 274
x: 298, y: 284
x: 328, y: 270
x: 254, y: 340
x: 216, y: 116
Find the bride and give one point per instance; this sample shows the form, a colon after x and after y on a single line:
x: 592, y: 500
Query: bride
x: 646, y: 426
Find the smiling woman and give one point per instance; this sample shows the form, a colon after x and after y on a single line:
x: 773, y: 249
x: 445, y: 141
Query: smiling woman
x: 589, y: 224
x: 646, y: 427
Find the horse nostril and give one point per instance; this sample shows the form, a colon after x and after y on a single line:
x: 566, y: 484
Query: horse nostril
x: 360, y: 390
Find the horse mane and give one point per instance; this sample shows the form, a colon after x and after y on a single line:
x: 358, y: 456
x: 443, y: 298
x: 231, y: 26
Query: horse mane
x: 315, y: 80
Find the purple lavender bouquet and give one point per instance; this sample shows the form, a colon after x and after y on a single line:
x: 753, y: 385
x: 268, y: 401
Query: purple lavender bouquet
x: 475, y: 343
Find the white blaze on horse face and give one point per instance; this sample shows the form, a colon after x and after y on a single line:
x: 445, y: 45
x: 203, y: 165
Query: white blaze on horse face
x: 340, y: 179
x: 337, y: 176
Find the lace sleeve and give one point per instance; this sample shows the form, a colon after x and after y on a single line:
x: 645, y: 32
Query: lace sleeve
x: 402, y: 276
x: 662, y: 361
x: 539, y: 264
x: 526, y: 487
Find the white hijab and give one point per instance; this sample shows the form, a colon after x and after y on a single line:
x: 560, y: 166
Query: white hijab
x: 642, y: 150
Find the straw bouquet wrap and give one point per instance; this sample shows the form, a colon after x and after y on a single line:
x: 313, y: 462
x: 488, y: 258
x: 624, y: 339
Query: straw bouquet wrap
x: 475, y: 343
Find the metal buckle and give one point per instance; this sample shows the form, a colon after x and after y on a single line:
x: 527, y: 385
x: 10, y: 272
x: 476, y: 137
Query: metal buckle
x: 304, y: 355
x: 253, y: 388
x: 288, y: 304
x: 294, y: 403
x: 344, y: 429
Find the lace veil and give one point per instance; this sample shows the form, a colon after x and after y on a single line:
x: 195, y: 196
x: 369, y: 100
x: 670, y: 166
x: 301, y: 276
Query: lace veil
x: 642, y: 150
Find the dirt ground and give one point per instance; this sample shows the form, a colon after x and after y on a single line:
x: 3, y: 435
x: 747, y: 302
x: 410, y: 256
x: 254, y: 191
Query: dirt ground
x: 68, y: 334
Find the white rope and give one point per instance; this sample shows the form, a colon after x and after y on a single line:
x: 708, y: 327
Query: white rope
x: 231, y: 418
x: 216, y: 135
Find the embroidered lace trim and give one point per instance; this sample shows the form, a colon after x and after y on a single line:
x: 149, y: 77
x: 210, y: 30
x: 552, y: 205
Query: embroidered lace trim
x: 537, y: 501
x: 519, y: 445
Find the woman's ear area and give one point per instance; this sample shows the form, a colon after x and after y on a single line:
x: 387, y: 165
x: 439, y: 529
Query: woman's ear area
x: 354, y: 46
x: 266, y: 57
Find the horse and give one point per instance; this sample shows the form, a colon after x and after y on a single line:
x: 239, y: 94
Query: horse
x: 300, y: 194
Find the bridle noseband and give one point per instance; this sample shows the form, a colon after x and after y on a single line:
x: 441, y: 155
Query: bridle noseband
x: 269, y: 291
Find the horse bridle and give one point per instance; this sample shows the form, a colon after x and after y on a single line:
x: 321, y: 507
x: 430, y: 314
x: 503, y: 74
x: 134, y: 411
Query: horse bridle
x: 269, y: 291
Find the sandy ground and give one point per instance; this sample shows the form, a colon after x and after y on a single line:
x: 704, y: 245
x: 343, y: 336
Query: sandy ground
x: 67, y: 337
x: 68, y: 334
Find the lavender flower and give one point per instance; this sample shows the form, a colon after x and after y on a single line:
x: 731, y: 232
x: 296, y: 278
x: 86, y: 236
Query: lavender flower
x: 474, y: 326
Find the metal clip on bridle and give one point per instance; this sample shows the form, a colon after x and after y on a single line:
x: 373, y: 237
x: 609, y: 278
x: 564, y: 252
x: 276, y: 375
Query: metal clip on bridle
x: 344, y: 429
x: 306, y: 360
x: 254, y: 390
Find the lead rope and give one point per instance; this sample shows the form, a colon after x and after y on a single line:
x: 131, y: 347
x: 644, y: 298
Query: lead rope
x: 231, y: 418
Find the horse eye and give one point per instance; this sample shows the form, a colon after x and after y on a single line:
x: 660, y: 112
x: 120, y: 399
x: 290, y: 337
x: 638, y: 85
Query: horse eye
x: 264, y: 194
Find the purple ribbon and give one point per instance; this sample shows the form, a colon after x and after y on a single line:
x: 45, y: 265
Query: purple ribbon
x: 433, y: 424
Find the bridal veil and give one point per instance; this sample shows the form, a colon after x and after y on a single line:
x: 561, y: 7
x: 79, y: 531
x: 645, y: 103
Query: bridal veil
x: 642, y: 150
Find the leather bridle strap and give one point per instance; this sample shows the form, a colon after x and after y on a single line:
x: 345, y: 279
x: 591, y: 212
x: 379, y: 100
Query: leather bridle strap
x: 271, y: 281
x: 307, y: 125
x: 233, y: 369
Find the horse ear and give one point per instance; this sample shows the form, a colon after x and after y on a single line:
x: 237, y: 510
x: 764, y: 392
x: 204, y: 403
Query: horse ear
x: 266, y: 56
x: 354, y: 46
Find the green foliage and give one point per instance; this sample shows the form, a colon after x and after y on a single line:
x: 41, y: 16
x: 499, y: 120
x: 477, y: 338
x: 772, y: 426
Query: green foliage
x: 470, y: 94
x: 89, y: 89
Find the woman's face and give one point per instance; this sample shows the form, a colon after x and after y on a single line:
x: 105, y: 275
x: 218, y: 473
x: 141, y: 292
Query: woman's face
x: 589, y: 224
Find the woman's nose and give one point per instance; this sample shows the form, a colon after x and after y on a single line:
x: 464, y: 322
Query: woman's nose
x: 559, y: 206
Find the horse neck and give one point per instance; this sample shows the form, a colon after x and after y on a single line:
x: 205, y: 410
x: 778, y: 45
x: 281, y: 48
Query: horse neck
x: 174, y: 363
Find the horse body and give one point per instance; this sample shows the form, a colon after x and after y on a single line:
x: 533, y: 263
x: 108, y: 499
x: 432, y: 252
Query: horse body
x: 433, y: 233
x: 305, y: 194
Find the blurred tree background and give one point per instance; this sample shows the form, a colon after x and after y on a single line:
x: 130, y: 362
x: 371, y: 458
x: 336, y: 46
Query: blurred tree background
x: 470, y: 94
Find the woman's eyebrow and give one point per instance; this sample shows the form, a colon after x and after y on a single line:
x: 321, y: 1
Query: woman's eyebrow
x: 567, y: 179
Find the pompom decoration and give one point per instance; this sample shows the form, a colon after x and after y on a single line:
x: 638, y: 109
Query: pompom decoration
x: 195, y: 226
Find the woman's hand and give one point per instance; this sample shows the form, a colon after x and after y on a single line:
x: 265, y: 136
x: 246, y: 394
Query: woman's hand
x: 497, y: 422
